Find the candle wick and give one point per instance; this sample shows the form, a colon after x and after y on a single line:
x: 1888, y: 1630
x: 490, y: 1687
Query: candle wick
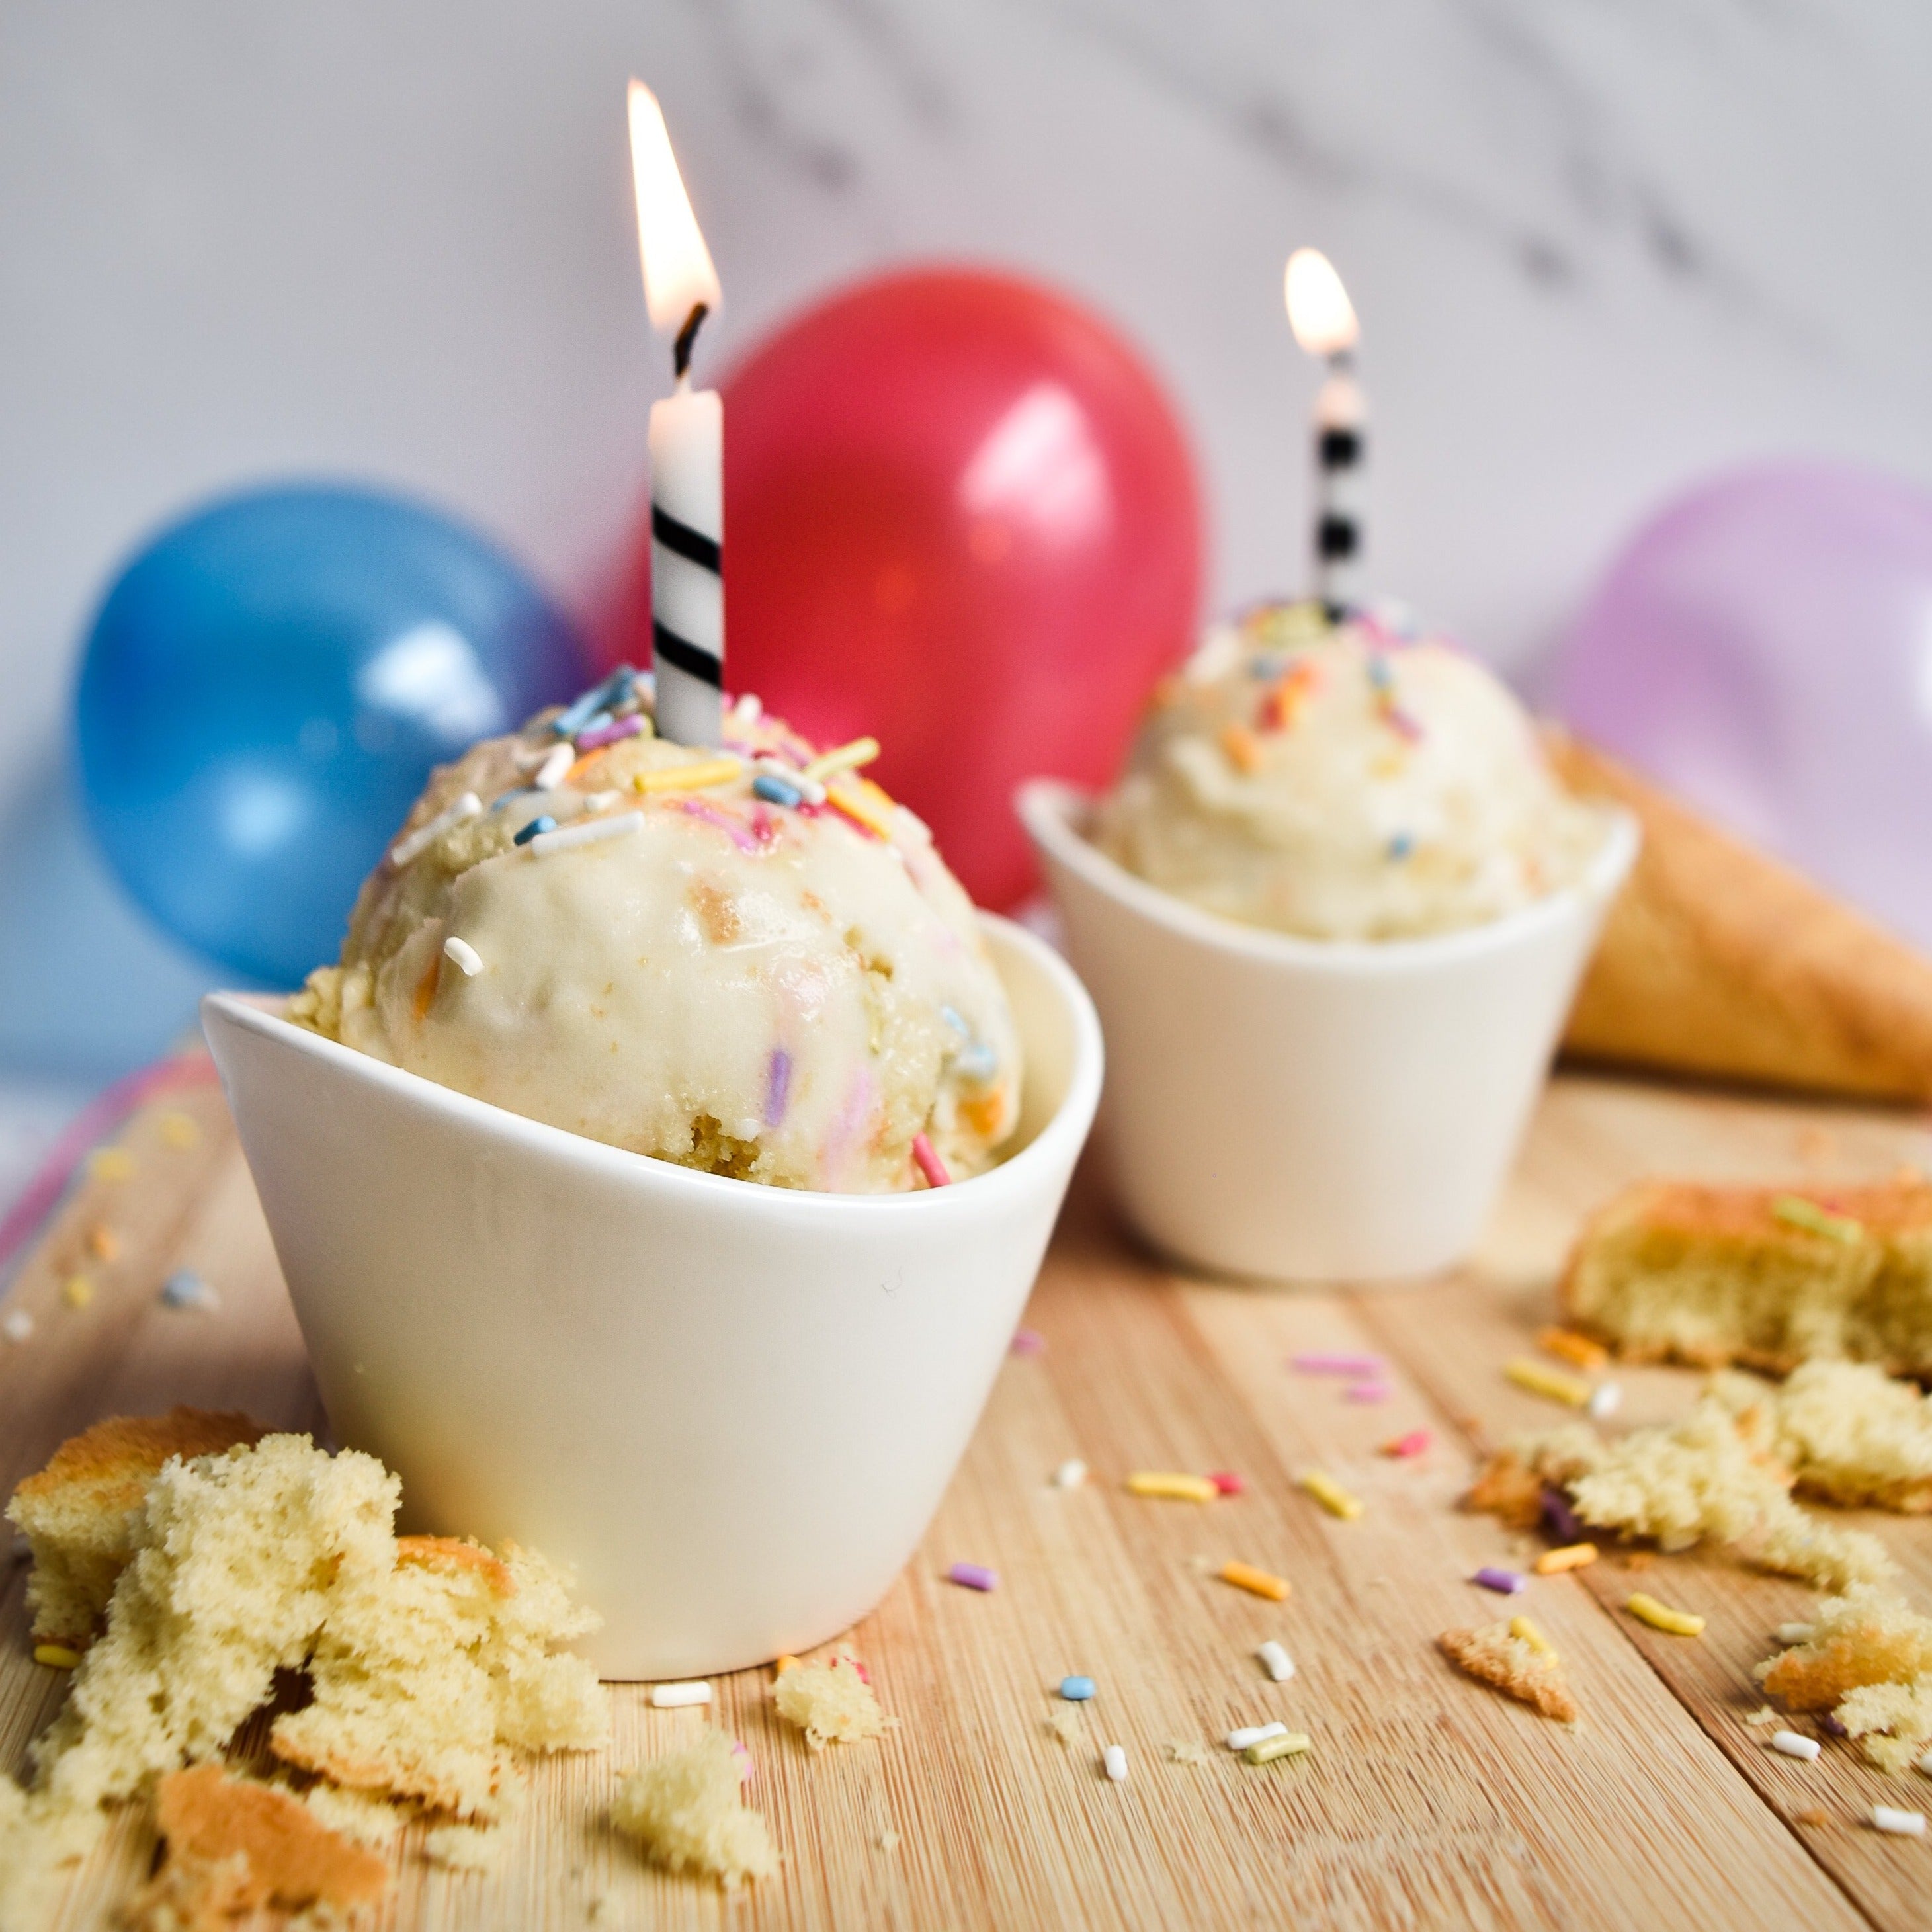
x: 680, y: 352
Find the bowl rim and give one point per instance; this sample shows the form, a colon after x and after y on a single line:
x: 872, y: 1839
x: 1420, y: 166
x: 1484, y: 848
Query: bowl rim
x: 1057, y: 1143
x: 1050, y: 809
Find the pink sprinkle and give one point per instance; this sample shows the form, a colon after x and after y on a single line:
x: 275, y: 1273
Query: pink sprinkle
x: 696, y: 808
x: 930, y: 1165
x: 1228, y: 1483
x: 1413, y: 1444
x: 609, y: 734
x: 865, y: 1675
x: 1367, y: 1392
x: 972, y: 1577
x: 1329, y: 1362
x: 744, y: 1758
x: 1402, y: 724
x: 1028, y: 1342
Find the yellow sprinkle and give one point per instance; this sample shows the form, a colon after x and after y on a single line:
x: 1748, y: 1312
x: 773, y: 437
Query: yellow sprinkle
x: 1579, y: 1350
x: 1330, y: 1494
x: 786, y: 1661
x: 1181, y: 1488
x: 1551, y: 1382
x: 1521, y: 1626
x: 1290, y: 1743
x: 1246, y: 1577
x: 689, y: 778
x: 860, y: 810
x: 179, y: 1131
x: 1238, y: 742
x: 76, y: 1290
x: 843, y: 758
x: 1661, y: 1616
x: 56, y: 1656
x: 110, y: 1163
x: 1571, y: 1556
x: 876, y: 795
x: 103, y: 1243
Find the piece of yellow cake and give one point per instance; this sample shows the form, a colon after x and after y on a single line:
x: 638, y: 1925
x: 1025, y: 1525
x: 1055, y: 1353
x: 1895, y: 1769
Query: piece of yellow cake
x: 1768, y: 1276
x: 1849, y: 1432
x: 686, y: 1812
x: 1868, y: 1661
x: 831, y: 1703
x: 1496, y: 1656
x: 78, y: 1513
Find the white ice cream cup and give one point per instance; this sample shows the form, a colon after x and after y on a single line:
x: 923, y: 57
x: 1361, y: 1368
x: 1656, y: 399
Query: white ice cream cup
x: 1310, y: 1110
x: 733, y: 1409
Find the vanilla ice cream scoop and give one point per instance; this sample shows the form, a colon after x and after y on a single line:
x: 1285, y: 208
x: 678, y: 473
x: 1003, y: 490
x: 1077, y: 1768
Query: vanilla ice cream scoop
x: 706, y: 956
x: 1339, y: 782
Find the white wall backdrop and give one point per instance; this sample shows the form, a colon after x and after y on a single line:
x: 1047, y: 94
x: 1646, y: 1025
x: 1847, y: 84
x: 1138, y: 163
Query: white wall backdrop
x: 1598, y: 247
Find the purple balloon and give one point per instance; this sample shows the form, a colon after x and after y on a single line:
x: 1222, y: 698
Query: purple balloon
x: 1763, y: 649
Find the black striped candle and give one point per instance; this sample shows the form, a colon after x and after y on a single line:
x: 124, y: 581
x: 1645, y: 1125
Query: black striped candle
x: 1324, y: 321
x: 687, y: 440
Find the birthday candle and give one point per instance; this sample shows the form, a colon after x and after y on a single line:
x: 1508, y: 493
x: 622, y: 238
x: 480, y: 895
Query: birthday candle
x: 687, y: 447
x: 1324, y: 321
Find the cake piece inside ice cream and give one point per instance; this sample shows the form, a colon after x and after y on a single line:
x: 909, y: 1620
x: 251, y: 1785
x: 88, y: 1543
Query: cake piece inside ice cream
x: 1342, y: 782
x: 747, y: 959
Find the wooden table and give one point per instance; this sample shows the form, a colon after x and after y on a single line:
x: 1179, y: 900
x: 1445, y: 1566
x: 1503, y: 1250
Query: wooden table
x: 1427, y: 1800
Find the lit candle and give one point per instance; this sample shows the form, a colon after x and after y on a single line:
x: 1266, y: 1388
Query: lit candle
x: 1324, y: 321
x: 687, y: 445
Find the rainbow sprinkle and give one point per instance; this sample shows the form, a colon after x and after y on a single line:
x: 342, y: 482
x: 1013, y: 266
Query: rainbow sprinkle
x: 929, y: 1163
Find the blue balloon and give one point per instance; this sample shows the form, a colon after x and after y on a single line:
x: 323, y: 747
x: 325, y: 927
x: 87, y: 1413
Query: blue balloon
x: 265, y: 690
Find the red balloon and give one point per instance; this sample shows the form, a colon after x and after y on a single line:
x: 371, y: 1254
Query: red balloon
x: 959, y: 514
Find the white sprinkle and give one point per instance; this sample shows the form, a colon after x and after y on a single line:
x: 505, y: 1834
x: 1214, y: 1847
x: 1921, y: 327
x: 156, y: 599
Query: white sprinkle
x: 1903, y: 1824
x: 1605, y: 1400
x: 1070, y: 1475
x: 18, y: 1327
x: 600, y: 801
x: 1276, y: 1661
x: 1795, y: 1743
x: 1794, y: 1633
x: 556, y: 762
x: 1114, y: 1760
x: 675, y: 1696
x: 468, y: 806
x: 1925, y: 1764
x: 1253, y: 1734
x: 750, y: 707
x: 586, y: 831
x: 465, y: 954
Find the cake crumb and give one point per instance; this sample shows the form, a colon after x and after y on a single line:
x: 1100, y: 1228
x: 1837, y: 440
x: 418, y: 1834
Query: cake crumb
x: 1763, y: 1714
x: 1063, y: 1721
x: 1495, y: 1655
x: 889, y: 1840
x: 1813, y: 1815
x: 1868, y: 1661
x: 685, y: 1812
x: 831, y: 1703
x: 1184, y: 1750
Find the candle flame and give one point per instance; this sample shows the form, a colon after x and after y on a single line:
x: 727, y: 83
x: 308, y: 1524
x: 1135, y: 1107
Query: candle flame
x: 1319, y: 311
x: 678, y: 274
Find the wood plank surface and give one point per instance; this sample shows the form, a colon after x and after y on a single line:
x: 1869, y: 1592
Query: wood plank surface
x: 1427, y: 1801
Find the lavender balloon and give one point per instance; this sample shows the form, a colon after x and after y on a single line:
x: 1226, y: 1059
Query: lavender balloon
x: 1763, y: 648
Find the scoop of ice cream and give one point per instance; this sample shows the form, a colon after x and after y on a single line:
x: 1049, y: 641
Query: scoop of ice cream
x: 710, y: 958
x: 1341, y: 782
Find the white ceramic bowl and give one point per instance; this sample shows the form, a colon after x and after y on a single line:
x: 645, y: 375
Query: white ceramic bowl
x: 1305, y: 1110
x: 733, y: 1408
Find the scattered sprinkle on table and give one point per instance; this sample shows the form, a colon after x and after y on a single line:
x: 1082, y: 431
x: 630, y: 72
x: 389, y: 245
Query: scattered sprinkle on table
x: 1414, y: 1444
x: 1505, y: 1582
x: 1028, y: 1342
x: 1076, y: 1689
x: 1330, y: 1494
x: 1605, y: 1399
x: 179, y: 1131
x: 972, y: 1577
x: 1255, y: 1734
x: 1175, y: 1488
x: 1070, y: 1475
x: 185, y: 1288
x: 930, y: 1165
x: 1256, y: 1582
x: 76, y: 1290
x: 783, y: 1662
x: 1276, y: 1661
x: 111, y: 1163
x: 1564, y: 1523
x: 1900, y: 1824
x: 1367, y: 1392
x: 586, y: 831
x: 56, y: 1656
x: 679, y: 1696
x: 1521, y: 1626
x: 1579, y: 1350
x: 461, y: 952
x: 1113, y: 1761
x: 103, y: 1243
x: 1332, y: 1362
x: 1571, y: 1556
x: 1540, y: 1379
x: 18, y: 1326
x: 1228, y: 1483
x: 1290, y: 1744
x: 1790, y: 1634
x: 1795, y: 1743
x: 1661, y: 1616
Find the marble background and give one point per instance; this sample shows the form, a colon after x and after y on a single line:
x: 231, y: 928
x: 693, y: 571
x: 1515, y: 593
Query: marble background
x: 1599, y: 247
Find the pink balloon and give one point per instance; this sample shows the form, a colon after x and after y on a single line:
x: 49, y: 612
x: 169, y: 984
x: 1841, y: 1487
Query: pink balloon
x: 1763, y: 647
x: 959, y: 514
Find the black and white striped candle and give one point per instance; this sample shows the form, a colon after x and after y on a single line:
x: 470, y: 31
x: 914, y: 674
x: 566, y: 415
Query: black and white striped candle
x: 1324, y: 321
x: 687, y: 439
